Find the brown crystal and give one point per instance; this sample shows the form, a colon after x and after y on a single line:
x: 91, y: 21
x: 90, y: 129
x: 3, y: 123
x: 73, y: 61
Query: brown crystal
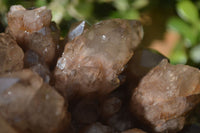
x: 33, y: 61
x: 165, y: 95
x: 31, y: 105
x: 33, y: 30
x: 21, y: 20
x: 5, y: 127
x: 142, y: 62
x: 11, y: 55
x: 92, y: 61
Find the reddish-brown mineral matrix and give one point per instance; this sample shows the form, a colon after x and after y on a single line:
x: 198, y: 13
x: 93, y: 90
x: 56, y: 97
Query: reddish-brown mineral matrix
x: 135, y: 130
x: 165, y: 95
x: 11, y: 55
x: 30, y: 105
x: 92, y: 61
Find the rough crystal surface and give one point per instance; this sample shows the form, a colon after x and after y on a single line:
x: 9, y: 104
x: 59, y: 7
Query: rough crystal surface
x: 21, y: 20
x: 92, y: 61
x: 165, y: 95
x: 11, y: 55
x: 31, y: 105
x: 34, y: 30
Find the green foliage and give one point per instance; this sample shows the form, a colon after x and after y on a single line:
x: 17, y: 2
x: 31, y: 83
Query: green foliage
x: 93, y: 10
x: 40, y: 3
x: 184, y: 29
x: 83, y: 9
x: 187, y: 25
x: 179, y: 55
x: 187, y: 11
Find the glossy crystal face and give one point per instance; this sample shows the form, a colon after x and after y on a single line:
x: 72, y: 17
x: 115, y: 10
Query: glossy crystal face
x: 92, y: 61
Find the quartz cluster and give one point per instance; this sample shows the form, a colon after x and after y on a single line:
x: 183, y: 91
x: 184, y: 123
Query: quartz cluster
x: 95, y: 80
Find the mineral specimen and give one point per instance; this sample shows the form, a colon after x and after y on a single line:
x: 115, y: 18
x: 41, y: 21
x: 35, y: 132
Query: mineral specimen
x: 165, y: 95
x: 93, y: 61
x: 11, y: 55
x: 107, y: 85
x: 30, y: 105
x: 34, y: 30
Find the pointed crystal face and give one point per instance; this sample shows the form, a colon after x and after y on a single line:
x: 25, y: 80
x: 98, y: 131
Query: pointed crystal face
x: 166, y: 94
x: 34, y: 30
x: 77, y: 29
x: 93, y: 60
x: 28, y: 20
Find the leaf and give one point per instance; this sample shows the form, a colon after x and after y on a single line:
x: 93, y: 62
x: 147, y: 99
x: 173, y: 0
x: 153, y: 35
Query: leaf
x: 195, y: 54
x: 121, y: 5
x: 138, y: 4
x: 178, y: 55
x: 129, y: 14
x: 84, y: 9
x: 184, y: 29
x: 187, y: 11
x: 40, y: 3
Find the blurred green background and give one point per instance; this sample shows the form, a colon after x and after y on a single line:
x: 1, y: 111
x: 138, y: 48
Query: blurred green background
x: 170, y: 26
